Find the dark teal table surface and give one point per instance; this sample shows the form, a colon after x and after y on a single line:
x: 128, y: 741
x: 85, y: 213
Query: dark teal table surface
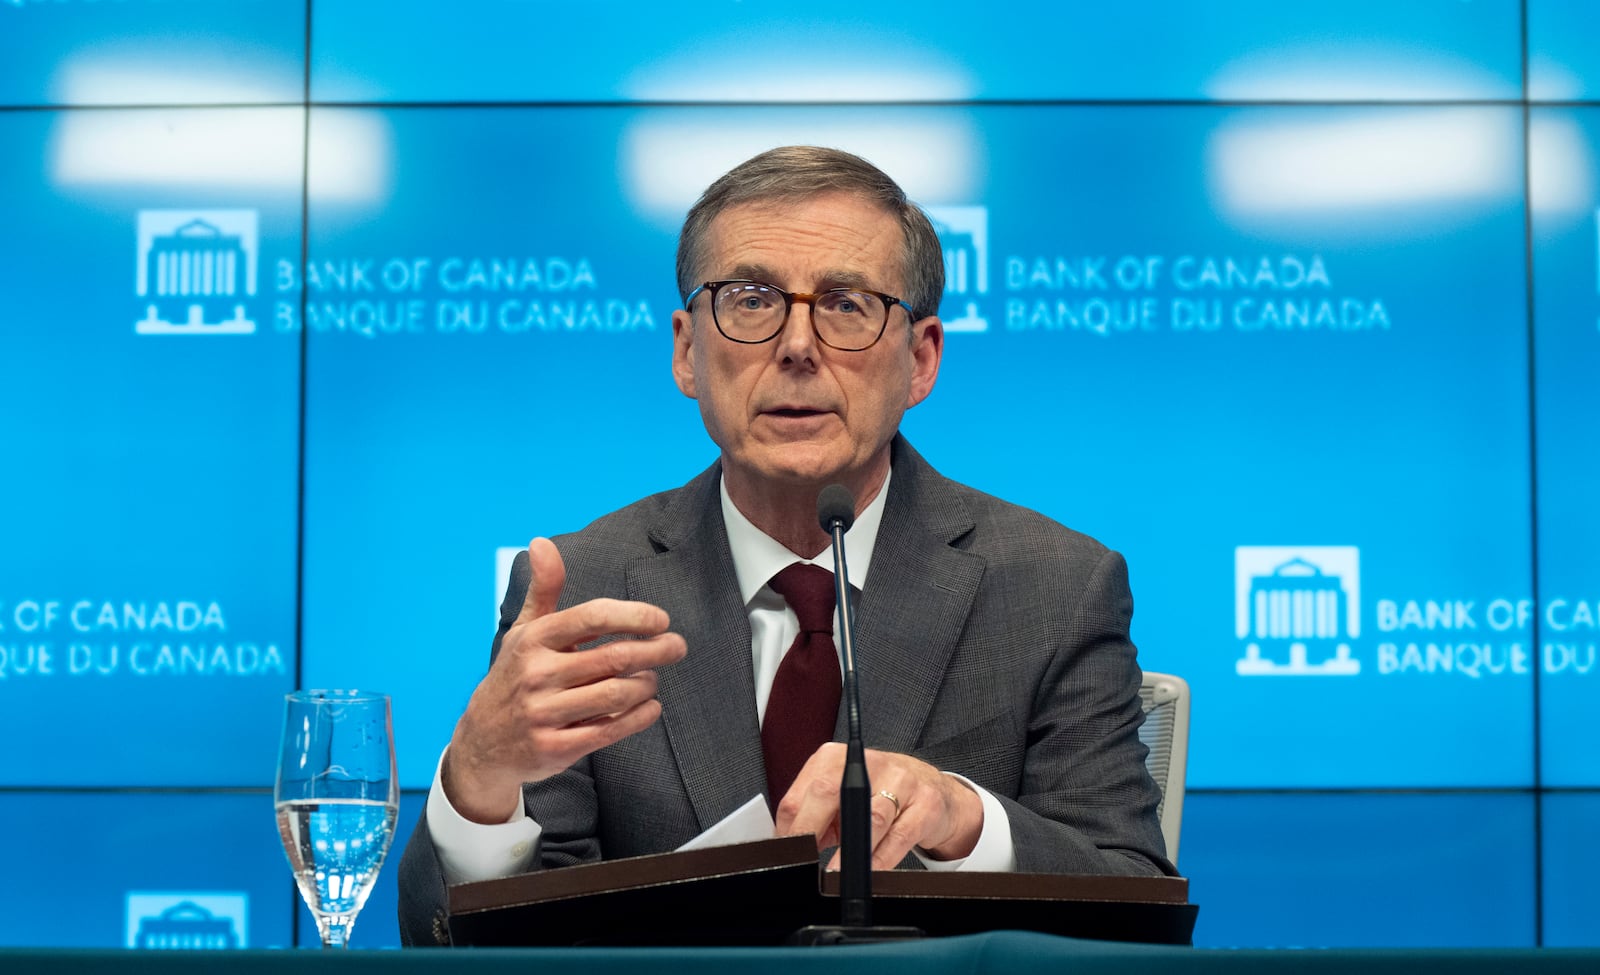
x: 996, y: 953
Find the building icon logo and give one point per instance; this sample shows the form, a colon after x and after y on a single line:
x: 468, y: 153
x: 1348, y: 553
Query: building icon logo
x: 503, y: 557
x: 192, y: 920
x: 964, y: 236
x: 1297, y: 608
x: 196, y: 269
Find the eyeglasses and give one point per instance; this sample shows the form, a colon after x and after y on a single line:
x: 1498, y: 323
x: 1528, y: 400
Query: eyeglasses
x: 749, y: 312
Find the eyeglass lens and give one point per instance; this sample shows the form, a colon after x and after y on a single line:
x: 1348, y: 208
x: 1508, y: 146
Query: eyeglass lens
x: 753, y: 312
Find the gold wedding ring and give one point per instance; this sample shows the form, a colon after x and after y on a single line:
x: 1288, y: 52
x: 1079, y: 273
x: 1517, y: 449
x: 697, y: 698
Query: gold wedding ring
x: 890, y: 796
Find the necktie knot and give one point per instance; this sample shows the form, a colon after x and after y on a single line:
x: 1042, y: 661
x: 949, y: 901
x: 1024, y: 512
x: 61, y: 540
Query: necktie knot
x: 808, y: 589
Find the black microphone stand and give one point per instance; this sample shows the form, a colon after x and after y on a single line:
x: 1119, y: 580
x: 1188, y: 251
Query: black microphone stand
x: 836, y: 511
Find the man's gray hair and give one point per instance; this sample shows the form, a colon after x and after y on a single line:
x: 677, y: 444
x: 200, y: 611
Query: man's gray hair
x: 793, y: 173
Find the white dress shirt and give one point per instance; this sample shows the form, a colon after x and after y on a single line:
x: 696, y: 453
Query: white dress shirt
x: 470, y: 851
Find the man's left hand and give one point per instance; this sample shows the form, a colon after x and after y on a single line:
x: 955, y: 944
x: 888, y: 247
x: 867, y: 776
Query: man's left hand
x: 937, y: 813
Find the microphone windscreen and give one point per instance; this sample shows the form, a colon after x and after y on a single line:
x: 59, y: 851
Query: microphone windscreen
x: 836, y: 504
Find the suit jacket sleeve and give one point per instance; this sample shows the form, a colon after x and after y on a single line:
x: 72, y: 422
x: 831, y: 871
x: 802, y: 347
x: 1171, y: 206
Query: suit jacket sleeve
x: 423, y: 894
x: 1039, y: 704
x: 999, y: 648
x: 1086, y: 803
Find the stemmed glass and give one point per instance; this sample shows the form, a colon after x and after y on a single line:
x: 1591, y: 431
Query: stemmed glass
x: 337, y: 797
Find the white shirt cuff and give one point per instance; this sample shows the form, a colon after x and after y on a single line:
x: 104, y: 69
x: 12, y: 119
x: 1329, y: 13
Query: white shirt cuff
x: 470, y: 851
x: 994, y: 852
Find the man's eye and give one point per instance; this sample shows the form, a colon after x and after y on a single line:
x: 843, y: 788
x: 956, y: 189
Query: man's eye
x: 850, y: 304
x: 752, y: 301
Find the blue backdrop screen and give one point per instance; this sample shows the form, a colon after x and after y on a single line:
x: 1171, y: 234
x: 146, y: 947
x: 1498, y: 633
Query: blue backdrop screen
x: 1566, y: 302
x: 227, y: 889
x: 1303, y: 356
x: 901, y: 50
x: 1465, y: 857
x: 152, y: 52
x: 1298, y: 306
x: 149, y: 592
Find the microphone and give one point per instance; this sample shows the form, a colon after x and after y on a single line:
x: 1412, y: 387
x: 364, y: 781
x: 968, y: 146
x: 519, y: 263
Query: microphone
x: 835, y: 504
x: 836, y: 512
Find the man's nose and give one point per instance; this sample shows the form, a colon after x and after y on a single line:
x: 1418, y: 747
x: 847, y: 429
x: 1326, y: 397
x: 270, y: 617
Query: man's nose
x: 798, y: 340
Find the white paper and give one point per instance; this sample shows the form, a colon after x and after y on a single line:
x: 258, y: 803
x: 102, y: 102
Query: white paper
x: 750, y: 822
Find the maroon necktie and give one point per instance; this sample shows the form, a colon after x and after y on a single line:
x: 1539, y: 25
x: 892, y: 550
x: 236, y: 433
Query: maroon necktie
x: 804, y: 701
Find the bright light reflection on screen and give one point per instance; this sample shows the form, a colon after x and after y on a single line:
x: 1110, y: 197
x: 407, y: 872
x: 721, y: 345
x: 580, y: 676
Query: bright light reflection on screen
x: 685, y: 78
x: 1551, y: 80
x: 1346, y: 71
x: 1560, y: 170
x: 244, y: 148
x: 1370, y: 161
x: 181, y: 76
x: 668, y: 159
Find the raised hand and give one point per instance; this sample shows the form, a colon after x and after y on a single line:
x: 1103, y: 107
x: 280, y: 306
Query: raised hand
x: 546, y: 704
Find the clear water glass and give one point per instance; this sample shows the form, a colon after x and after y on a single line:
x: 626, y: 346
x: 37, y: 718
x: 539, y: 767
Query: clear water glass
x: 337, y: 797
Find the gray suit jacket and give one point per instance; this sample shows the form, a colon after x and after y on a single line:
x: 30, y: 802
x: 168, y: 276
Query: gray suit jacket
x: 993, y: 642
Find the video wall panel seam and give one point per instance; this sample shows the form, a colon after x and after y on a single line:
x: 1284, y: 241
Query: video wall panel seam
x: 1533, y: 484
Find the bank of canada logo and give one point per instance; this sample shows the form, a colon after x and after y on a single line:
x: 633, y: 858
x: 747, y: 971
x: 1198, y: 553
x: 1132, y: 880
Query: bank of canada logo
x: 503, y: 557
x: 187, y: 919
x: 964, y: 236
x: 196, y: 269
x: 1297, y: 609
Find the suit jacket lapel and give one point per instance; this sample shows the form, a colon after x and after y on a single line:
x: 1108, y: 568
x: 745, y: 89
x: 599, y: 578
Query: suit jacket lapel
x: 915, y: 604
x: 708, y: 699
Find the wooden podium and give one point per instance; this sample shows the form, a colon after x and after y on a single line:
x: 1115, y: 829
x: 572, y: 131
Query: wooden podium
x: 759, y: 893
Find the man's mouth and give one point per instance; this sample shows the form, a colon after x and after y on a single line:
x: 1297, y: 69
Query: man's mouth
x: 795, y: 412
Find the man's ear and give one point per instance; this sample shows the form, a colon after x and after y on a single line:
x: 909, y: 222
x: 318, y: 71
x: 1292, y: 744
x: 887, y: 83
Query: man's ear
x: 927, y: 350
x: 683, y: 353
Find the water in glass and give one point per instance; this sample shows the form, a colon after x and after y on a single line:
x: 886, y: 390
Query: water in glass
x: 337, y: 798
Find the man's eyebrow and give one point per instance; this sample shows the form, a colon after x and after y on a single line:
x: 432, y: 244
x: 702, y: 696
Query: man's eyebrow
x: 836, y: 278
x: 829, y: 279
x: 754, y: 272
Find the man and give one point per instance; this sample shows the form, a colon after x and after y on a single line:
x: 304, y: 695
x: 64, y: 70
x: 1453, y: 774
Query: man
x: 999, y: 686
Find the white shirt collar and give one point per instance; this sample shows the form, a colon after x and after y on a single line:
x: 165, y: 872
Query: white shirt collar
x: 757, y: 556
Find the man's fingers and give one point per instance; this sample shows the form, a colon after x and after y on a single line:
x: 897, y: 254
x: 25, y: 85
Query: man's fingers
x: 560, y: 670
x: 883, y: 815
x: 600, y: 699
x: 586, y: 621
x: 600, y: 617
x: 921, y: 814
x: 899, y: 831
x: 893, y: 835
x: 549, y: 576
x: 582, y: 739
x: 811, y: 806
x: 812, y: 803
